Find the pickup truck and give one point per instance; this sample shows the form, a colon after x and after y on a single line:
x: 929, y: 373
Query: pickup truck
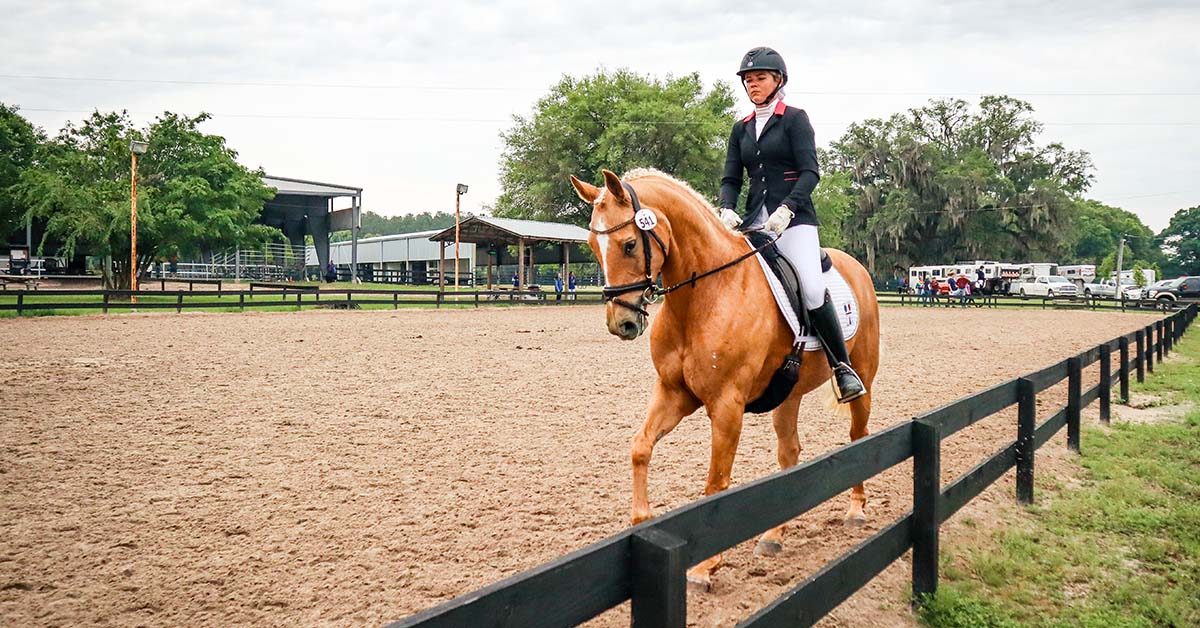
x: 1181, y: 288
x: 1048, y: 286
x: 1108, y: 288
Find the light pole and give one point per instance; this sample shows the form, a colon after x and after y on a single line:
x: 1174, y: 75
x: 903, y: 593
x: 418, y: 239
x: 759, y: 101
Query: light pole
x: 459, y: 191
x: 135, y: 148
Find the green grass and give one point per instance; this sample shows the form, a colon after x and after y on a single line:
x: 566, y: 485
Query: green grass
x: 1122, y: 550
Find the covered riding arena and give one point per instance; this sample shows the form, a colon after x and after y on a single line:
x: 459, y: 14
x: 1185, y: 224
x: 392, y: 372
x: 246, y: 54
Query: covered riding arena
x: 352, y: 468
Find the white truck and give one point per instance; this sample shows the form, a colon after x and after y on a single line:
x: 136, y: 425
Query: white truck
x: 1049, y: 286
x: 1108, y: 288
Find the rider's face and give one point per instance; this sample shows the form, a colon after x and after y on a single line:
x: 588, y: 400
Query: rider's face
x: 759, y: 84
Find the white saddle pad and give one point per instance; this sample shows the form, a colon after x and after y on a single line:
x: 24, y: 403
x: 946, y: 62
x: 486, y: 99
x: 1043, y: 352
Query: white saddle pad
x: 843, y: 297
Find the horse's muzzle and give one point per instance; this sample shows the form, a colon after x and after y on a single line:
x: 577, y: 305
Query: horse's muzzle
x: 625, y: 324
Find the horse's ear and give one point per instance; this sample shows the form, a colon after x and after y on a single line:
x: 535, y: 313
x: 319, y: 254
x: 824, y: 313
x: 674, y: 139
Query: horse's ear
x: 585, y: 190
x: 613, y: 183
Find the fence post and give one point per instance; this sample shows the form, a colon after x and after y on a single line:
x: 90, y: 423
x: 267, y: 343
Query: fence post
x: 20, y: 302
x: 1158, y: 349
x: 1150, y: 348
x: 659, y: 591
x: 476, y: 298
x: 1123, y: 346
x: 1140, y: 336
x: 1169, y: 334
x: 927, y: 473
x: 1074, y: 384
x: 242, y: 301
x: 1105, y: 382
x: 105, y: 310
x: 395, y: 300
x: 179, y: 302
x: 1026, y: 422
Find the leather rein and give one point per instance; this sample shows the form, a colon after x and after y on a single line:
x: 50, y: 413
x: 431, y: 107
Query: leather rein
x: 648, y: 287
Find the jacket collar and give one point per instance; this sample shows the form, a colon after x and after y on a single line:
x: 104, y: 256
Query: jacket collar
x: 779, y: 109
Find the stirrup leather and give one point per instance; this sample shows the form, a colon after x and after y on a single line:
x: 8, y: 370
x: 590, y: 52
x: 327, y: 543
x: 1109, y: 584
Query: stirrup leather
x: 847, y: 385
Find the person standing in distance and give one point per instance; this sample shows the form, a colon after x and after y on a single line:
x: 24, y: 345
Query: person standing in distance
x: 774, y: 146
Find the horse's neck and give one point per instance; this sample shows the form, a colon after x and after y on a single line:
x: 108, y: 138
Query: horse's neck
x: 699, y: 245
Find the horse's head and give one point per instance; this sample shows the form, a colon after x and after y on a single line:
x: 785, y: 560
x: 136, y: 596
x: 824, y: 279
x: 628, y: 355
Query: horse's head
x: 631, y: 241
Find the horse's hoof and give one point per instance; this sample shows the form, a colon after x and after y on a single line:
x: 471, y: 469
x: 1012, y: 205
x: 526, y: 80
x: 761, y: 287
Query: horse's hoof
x: 767, y: 548
x: 698, y: 585
x: 855, y: 521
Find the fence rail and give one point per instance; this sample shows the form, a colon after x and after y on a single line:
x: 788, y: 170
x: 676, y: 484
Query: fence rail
x: 261, y: 295
x: 646, y: 563
x: 993, y: 301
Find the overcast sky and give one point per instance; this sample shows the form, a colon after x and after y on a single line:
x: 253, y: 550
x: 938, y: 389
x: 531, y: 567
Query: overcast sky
x: 406, y: 99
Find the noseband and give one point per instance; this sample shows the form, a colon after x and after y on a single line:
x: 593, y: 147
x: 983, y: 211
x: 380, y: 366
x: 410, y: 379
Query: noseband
x: 650, y: 291
x: 647, y: 286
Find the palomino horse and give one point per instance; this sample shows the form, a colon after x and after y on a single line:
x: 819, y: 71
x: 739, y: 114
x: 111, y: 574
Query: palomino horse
x: 712, y: 345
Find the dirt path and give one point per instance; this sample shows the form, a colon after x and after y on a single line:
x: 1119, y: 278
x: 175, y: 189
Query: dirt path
x: 351, y: 468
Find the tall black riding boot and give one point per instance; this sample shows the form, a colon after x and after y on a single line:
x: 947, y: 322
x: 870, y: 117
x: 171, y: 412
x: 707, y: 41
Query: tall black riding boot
x: 847, y: 384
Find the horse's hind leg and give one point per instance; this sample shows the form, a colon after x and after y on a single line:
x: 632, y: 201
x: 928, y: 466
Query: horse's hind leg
x: 668, y: 406
x: 860, y: 412
x: 784, y: 417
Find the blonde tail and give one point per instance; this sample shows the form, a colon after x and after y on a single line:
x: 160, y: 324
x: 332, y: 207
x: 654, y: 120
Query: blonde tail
x: 829, y: 397
x: 829, y: 400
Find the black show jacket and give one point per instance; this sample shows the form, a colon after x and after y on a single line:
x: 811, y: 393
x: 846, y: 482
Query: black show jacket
x: 778, y: 163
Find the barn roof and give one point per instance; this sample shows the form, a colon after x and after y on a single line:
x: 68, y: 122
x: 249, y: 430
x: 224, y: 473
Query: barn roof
x: 300, y: 187
x: 489, y: 229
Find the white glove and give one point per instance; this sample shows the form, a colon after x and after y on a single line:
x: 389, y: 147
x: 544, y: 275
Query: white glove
x: 729, y: 217
x: 779, y: 219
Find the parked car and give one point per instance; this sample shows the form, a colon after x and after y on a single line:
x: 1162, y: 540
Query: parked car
x: 1153, y: 290
x: 1181, y: 288
x: 1048, y: 286
x: 1108, y: 288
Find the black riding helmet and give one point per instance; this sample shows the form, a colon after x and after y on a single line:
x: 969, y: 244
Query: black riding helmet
x: 764, y: 58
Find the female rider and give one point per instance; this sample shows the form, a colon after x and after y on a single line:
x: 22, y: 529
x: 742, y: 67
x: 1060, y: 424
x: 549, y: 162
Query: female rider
x: 775, y: 147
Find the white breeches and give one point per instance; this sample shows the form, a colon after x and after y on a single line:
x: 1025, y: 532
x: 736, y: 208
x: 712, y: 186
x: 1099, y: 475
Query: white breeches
x: 802, y: 247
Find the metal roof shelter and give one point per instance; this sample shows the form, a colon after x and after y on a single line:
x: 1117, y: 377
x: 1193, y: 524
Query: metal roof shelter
x: 303, y: 207
x: 495, y: 232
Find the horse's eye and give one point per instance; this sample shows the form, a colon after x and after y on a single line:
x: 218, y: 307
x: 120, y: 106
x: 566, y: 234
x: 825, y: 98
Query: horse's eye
x: 629, y: 246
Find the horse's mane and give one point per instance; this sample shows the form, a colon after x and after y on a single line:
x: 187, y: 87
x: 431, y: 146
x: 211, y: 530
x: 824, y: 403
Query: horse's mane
x: 708, y: 211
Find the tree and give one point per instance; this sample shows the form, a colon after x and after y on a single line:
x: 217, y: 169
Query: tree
x: 943, y: 182
x: 1139, y: 275
x: 833, y: 199
x: 193, y: 196
x: 18, y: 143
x: 1181, y: 239
x: 1096, y: 230
x: 616, y: 120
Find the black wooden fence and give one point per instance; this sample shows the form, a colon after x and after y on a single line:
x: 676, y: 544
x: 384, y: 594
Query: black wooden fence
x: 993, y: 301
x: 271, y: 294
x: 262, y: 295
x: 646, y: 563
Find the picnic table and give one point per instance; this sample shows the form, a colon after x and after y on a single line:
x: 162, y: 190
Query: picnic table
x: 29, y: 282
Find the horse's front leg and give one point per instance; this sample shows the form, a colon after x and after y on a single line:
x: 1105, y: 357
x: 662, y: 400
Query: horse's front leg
x: 668, y: 406
x: 784, y: 417
x: 726, y: 418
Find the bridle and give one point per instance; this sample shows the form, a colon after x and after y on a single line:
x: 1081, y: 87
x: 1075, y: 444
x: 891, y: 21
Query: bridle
x: 648, y: 287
